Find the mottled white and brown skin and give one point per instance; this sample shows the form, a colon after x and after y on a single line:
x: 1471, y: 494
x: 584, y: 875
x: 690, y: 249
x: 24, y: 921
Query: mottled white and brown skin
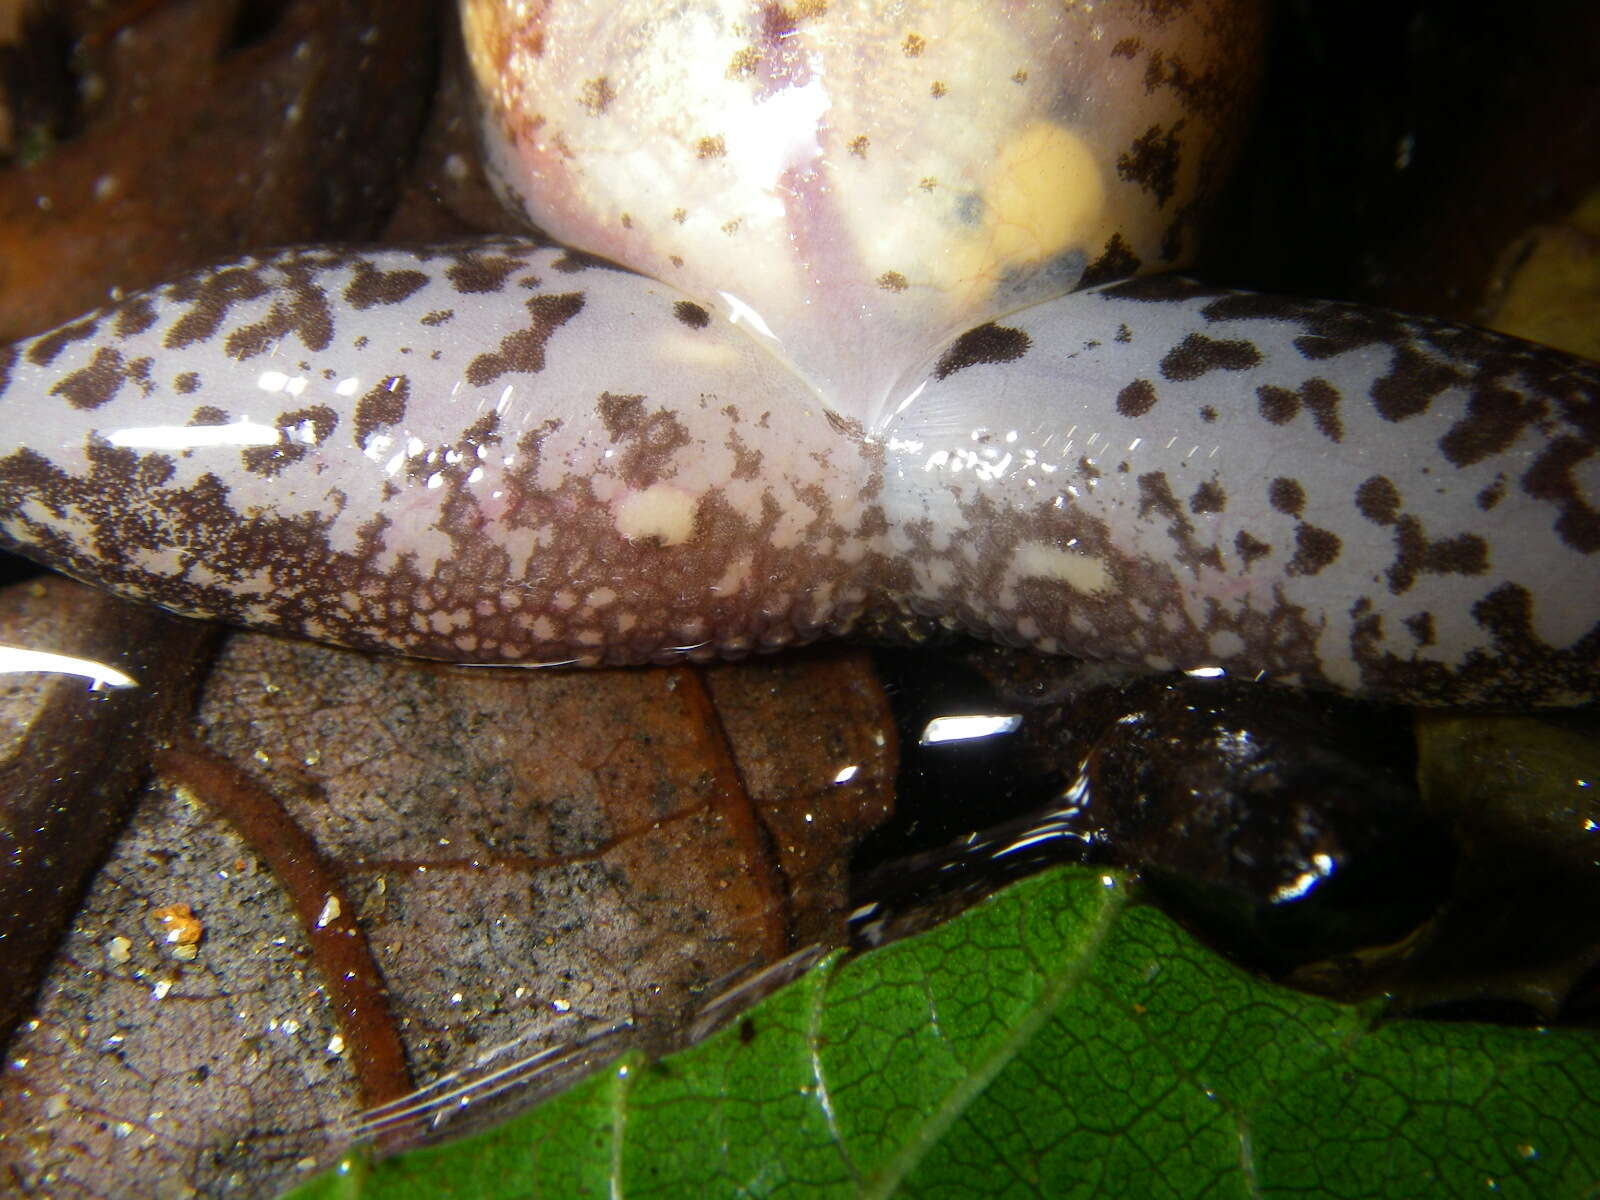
x: 507, y: 452
x: 428, y: 467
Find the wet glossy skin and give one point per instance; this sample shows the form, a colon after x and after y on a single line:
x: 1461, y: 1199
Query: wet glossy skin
x: 505, y: 453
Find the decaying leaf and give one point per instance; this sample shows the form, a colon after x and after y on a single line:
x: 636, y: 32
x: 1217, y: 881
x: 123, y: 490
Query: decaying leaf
x: 356, y: 874
x: 205, y: 129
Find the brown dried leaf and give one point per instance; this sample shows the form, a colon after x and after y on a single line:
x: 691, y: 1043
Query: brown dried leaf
x: 70, y: 758
x: 529, y: 859
x: 199, y: 146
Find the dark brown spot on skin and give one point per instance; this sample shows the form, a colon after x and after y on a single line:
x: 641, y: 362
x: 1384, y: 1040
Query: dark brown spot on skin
x: 1551, y: 479
x: 913, y: 46
x: 299, y: 307
x: 597, y: 95
x: 208, y: 414
x: 1507, y: 612
x: 874, y: 523
x: 438, y: 317
x: 1208, y: 414
x: 1277, y: 405
x: 1155, y: 496
x: 989, y: 343
x: 858, y: 146
x: 1019, y: 76
x: 209, y: 297
x: 1208, y: 498
x: 1313, y: 549
x: 371, y: 287
x: 621, y: 415
x: 1492, y: 495
x: 1211, y: 91
x: 134, y: 317
x: 893, y: 281
x: 691, y: 314
x: 1321, y: 398
x: 523, y: 350
x: 1126, y: 48
x: 1410, y: 385
x: 1495, y: 418
x: 481, y: 274
x: 841, y: 425
x: 1465, y: 554
x: 1197, y: 354
x: 744, y: 62
x: 186, y: 383
x: 1287, y: 496
x: 937, y: 90
x: 91, y: 386
x: 485, y: 431
x: 711, y: 147
x: 1152, y: 162
x: 1138, y: 398
x: 383, y: 405
x: 43, y: 352
x: 268, y: 461
x: 779, y: 23
x: 572, y: 262
x: 1281, y: 405
x: 1378, y: 500
x: 1162, y: 289
x: 746, y: 462
x: 1420, y: 626
x: 1250, y: 548
x: 1116, y: 261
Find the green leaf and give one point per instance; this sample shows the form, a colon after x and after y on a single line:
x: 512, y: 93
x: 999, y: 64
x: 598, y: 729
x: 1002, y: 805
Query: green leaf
x: 1059, y: 1039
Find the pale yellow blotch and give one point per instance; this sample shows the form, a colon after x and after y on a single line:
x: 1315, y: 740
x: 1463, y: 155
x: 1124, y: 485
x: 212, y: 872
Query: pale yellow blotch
x: 1043, y: 196
x: 735, y: 577
x: 661, y: 512
x: 1226, y: 644
x: 791, y: 528
x: 937, y: 576
x: 702, y: 351
x: 1086, y: 573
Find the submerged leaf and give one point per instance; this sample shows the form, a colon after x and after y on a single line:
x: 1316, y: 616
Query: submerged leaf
x: 1058, y: 1039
